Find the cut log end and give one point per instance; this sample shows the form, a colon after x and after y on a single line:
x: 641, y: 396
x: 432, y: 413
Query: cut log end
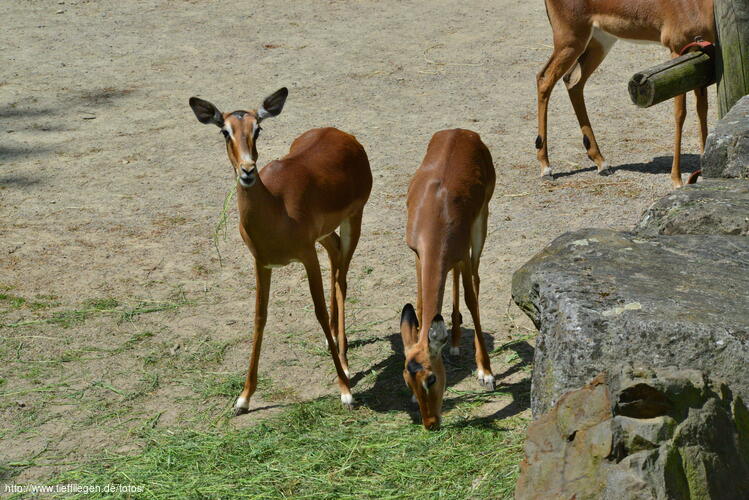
x: 675, y: 77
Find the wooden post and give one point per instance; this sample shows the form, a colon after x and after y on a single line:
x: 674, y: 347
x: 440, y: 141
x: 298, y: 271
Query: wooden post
x: 732, y: 65
x: 675, y: 77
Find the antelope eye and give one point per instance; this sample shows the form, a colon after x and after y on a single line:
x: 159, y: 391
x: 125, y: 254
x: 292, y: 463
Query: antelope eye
x: 225, y: 133
x: 431, y: 379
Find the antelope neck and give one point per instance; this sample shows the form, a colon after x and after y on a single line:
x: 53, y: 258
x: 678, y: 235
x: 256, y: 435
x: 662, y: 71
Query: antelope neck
x: 256, y: 200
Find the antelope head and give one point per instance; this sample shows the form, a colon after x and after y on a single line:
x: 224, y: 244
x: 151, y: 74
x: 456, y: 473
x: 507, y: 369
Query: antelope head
x: 423, y: 370
x: 241, y: 130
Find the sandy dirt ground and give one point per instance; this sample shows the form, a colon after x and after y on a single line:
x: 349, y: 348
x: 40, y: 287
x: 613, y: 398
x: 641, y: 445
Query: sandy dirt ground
x: 117, y: 314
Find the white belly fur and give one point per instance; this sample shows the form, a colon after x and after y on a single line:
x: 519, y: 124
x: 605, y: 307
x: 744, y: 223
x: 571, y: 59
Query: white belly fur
x: 607, y: 40
x: 600, y: 34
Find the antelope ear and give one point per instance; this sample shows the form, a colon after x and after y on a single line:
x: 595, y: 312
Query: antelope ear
x: 273, y: 104
x: 437, y: 335
x: 409, y: 326
x: 206, y: 112
x: 413, y: 367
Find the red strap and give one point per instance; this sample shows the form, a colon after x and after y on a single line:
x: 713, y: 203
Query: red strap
x: 693, y: 178
x: 701, y: 45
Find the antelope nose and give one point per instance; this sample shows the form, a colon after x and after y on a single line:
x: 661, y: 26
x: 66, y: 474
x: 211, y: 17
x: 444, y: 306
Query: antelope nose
x: 247, y: 177
x: 432, y: 424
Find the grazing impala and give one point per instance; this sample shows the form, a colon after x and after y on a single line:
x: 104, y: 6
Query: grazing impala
x: 447, y: 215
x: 285, y: 208
x: 585, y: 30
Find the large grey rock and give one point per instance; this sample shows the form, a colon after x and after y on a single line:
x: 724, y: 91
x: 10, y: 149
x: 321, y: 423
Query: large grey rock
x: 684, y: 436
x: 713, y: 206
x: 727, y: 146
x: 600, y: 297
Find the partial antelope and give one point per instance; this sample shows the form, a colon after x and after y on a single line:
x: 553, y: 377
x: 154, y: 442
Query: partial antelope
x: 584, y: 32
x: 289, y: 205
x: 448, y: 208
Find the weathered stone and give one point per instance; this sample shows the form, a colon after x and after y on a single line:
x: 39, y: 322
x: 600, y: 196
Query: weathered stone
x: 638, y: 434
x: 600, y: 297
x: 713, y: 458
x: 643, y: 395
x: 643, y: 401
x: 727, y: 146
x: 713, y: 206
x: 695, y: 452
x: 658, y: 473
x: 581, y: 410
x: 572, y: 428
x: 622, y: 483
x: 741, y: 417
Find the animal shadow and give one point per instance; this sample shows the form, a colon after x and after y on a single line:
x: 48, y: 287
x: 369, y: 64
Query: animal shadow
x: 20, y: 181
x: 658, y: 165
x: 520, y: 391
x: 390, y: 393
x: 561, y: 175
x: 25, y: 116
x: 662, y: 165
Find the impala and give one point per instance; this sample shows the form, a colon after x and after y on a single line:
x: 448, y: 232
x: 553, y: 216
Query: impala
x: 585, y: 30
x: 447, y: 218
x: 289, y: 205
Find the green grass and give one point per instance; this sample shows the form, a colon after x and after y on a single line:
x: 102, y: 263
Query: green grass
x: 221, y: 225
x: 209, y: 351
x: 229, y: 385
x: 93, y: 307
x: 307, y: 450
x: 11, y: 301
x: 319, y: 450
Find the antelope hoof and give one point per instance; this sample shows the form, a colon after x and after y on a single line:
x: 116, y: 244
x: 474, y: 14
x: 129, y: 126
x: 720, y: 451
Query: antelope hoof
x: 348, y: 401
x: 547, y: 175
x: 489, y: 383
x: 486, y: 380
x: 604, y: 170
x: 414, y: 400
x: 241, y: 407
x: 238, y: 410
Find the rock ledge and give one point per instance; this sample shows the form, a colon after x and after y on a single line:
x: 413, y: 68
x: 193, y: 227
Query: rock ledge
x: 640, y: 434
x: 600, y: 297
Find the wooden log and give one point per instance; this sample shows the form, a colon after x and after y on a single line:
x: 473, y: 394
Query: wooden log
x: 732, y: 65
x: 672, y: 78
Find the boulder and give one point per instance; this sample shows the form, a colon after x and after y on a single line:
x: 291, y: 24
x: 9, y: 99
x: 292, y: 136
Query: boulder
x: 727, y: 146
x: 684, y: 436
x: 713, y: 206
x: 601, y: 297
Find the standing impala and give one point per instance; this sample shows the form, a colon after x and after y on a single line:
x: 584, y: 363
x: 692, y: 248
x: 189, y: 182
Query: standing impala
x: 447, y: 215
x: 585, y: 30
x: 285, y: 208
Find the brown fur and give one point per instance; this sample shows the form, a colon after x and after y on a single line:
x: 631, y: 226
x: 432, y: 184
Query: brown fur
x: 288, y: 206
x: 323, y: 181
x: 447, y: 199
x: 672, y: 23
